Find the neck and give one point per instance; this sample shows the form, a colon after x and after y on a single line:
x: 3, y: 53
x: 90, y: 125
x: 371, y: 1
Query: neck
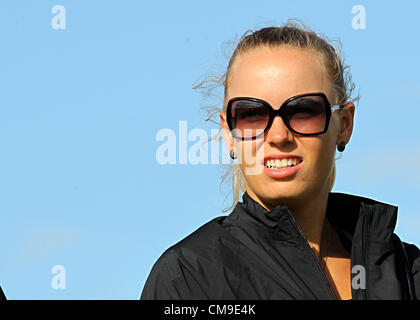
x: 309, y: 214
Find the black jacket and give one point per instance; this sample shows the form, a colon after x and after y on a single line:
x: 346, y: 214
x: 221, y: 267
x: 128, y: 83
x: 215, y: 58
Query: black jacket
x: 258, y: 254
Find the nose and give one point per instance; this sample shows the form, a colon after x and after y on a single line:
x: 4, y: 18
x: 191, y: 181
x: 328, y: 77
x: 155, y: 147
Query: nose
x: 278, y: 132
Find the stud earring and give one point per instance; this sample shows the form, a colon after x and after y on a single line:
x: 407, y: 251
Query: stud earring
x: 341, y: 146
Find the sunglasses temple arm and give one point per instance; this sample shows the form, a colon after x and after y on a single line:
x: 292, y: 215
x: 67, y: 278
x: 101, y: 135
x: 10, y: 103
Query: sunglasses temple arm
x: 336, y: 107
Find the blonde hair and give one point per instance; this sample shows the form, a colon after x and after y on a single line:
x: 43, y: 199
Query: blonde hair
x: 293, y: 35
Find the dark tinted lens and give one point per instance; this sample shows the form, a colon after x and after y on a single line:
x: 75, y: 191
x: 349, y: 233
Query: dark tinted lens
x: 249, y: 118
x: 307, y: 114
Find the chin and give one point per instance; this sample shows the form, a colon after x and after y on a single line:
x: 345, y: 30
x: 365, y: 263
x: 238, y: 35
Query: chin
x: 279, y: 195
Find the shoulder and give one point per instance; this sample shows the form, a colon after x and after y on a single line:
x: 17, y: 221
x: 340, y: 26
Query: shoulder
x: 184, y: 270
x: 208, y: 242
x: 413, y: 255
x: 205, y: 242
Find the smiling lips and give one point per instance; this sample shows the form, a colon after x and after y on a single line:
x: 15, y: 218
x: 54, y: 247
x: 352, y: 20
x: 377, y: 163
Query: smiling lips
x: 282, y: 163
x: 282, y: 166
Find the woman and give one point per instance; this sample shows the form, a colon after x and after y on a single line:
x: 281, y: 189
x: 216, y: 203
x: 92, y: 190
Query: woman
x: 287, y: 108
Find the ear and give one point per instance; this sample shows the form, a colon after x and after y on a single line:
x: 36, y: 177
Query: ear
x: 226, y: 132
x: 346, y: 123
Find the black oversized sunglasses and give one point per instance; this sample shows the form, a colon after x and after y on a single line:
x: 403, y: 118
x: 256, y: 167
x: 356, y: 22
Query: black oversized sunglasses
x: 305, y: 114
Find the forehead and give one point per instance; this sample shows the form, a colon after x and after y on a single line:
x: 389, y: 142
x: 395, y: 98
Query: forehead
x: 275, y: 74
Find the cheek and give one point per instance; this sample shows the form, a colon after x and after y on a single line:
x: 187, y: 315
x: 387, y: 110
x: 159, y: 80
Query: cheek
x: 250, y: 152
x: 325, y: 161
x: 318, y: 153
x: 251, y: 157
x: 326, y: 144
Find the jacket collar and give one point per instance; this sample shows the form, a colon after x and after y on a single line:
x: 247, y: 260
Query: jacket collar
x: 344, y: 211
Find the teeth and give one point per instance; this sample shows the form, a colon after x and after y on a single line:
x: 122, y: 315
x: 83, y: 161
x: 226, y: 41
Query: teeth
x: 283, y: 163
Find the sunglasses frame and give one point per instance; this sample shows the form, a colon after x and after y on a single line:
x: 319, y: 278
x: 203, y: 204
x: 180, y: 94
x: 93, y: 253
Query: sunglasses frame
x: 273, y: 112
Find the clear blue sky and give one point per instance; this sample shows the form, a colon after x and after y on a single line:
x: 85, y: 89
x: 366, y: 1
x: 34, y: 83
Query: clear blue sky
x: 80, y: 109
